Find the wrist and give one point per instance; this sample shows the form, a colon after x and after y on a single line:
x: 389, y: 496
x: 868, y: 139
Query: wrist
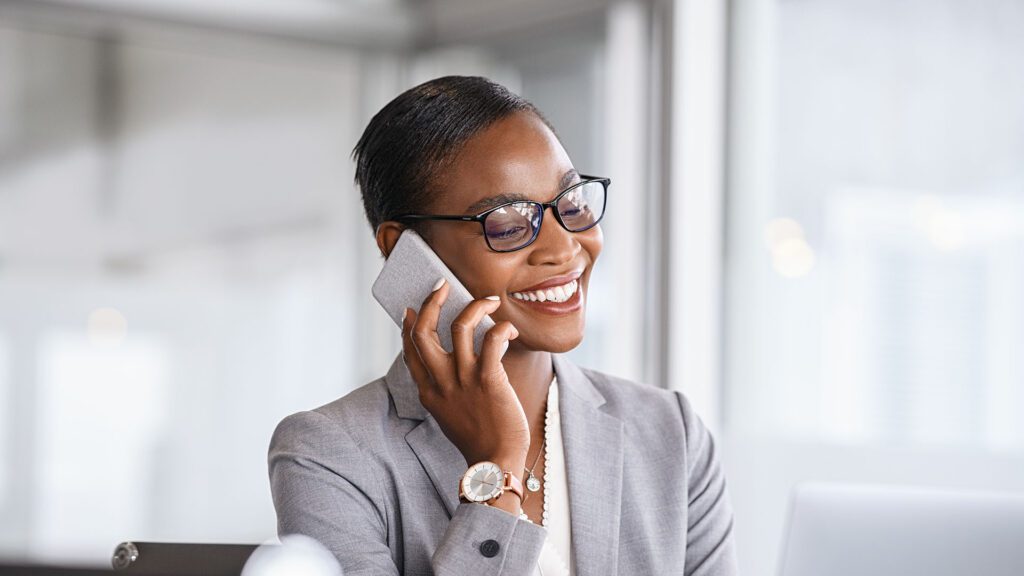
x: 514, y: 462
x: 509, y: 502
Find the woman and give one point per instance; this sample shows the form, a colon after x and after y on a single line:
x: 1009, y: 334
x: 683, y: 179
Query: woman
x: 422, y: 471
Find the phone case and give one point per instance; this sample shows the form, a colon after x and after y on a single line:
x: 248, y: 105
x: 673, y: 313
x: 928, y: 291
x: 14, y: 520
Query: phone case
x: 409, y: 274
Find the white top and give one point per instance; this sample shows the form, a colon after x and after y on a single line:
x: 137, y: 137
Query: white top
x: 556, y: 555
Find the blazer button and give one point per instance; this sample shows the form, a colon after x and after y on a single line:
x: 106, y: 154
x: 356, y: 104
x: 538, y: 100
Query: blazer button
x: 489, y: 548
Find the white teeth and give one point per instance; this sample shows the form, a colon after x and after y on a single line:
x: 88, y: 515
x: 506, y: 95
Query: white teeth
x: 556, y: 294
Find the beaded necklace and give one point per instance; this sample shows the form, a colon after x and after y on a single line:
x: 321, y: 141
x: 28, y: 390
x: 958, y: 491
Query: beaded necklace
x: 547, y: 441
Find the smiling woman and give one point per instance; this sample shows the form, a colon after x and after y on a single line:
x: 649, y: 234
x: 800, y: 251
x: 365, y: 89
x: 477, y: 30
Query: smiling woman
x: 422, y: 471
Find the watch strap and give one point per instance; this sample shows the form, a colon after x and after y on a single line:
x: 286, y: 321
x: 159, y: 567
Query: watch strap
x: 513, y: 483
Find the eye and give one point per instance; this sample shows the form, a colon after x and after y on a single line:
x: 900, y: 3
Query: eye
x: 505, y: 234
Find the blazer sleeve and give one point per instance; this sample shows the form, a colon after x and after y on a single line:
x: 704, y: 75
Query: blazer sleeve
x: 324, y: 487
x: 710, y: 546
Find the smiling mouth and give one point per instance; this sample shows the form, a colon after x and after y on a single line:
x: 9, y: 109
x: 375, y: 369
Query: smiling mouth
x: 556, y: 294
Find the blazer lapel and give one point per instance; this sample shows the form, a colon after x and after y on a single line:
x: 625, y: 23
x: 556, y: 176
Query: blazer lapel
x: 440, y: 458
x: 593, y: 461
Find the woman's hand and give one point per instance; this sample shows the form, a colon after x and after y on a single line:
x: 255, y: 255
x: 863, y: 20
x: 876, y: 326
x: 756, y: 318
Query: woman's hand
x: 468, y: 394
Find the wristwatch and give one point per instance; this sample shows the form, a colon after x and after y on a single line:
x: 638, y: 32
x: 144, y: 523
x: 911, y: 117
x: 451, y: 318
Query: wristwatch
x: 486, y: 481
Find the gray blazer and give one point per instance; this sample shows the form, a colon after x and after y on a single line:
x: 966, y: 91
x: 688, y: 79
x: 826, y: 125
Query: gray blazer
x: 373, y: 478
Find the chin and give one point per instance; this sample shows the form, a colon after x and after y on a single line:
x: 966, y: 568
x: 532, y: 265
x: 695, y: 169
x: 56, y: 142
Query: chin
x: 565, y: 346
x: 554, y: 344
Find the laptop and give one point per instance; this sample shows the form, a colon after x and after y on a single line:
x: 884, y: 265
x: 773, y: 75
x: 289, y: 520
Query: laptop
x: 851, y: 530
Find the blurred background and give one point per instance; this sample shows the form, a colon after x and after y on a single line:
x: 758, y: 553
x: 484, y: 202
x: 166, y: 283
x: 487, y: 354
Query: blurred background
x: 816, y: 231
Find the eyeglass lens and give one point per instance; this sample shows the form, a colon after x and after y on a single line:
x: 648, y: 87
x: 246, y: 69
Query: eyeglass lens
x: 514, y: 226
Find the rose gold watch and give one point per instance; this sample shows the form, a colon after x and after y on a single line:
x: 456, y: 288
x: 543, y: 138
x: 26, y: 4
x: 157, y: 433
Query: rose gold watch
x: 485, y: 481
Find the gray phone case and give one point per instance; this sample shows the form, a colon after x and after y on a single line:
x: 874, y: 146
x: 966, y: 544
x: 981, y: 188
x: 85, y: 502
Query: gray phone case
x: 409, y: 274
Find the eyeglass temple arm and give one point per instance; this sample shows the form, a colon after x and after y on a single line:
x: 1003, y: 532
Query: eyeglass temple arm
x: 407, y: 217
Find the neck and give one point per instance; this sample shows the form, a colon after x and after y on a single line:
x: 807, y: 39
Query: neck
x: 530, y: 373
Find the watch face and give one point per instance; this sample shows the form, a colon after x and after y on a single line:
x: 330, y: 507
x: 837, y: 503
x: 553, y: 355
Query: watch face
x: 482, y: 482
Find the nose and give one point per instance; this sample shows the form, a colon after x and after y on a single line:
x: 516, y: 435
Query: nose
x: 554, y: 244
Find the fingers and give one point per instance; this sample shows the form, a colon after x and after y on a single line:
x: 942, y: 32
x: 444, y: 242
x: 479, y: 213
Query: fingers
x: 424, y: 331
x: 496, y: 342
x: 436, y: 367
x: 463, y: 329
x: 412, y: 357
x: 430, y: 363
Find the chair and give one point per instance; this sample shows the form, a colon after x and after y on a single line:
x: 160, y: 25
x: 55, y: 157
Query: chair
x: 177, y: 559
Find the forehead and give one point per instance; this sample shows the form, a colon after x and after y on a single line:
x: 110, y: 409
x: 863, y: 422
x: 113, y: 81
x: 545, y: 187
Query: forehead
x: 517, y: 155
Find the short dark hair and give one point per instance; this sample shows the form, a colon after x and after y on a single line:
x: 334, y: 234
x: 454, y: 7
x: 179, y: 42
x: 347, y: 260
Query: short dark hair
x: 419, y: 133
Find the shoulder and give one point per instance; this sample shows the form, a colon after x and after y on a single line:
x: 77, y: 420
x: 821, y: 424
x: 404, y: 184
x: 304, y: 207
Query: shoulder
x: 348, y: 421
x: 324, y: 460
x: 629, y: 399
x: 648, y: 410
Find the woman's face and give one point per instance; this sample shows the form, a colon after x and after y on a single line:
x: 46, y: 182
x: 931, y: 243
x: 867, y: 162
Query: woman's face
x: 517, y: 155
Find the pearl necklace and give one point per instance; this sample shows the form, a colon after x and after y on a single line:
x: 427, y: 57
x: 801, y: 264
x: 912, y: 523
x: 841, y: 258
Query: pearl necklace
x: 551, y: 562
x: 547, y: 442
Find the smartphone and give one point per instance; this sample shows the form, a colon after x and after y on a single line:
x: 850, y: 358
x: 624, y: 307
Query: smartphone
x: 409, y: 274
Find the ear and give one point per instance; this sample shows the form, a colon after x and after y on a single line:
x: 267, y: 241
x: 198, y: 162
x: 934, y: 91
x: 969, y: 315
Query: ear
x: 387, y: 235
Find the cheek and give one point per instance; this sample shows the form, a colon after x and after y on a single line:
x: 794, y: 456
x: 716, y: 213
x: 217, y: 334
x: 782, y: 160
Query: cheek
x: 481, y: 270
x: 593, y: 242
x: 486, y: 274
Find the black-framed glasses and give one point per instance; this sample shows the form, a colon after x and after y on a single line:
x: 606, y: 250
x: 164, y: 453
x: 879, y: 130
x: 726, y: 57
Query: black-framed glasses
x: 515, y: 225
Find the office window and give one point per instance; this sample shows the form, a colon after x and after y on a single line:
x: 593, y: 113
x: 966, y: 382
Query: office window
x: 874, y: 269
x: 5, y: 421
x: 876, y: 223
x: 102, y: 407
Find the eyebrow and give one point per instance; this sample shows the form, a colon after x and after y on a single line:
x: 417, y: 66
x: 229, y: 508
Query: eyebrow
x: 499, y: 199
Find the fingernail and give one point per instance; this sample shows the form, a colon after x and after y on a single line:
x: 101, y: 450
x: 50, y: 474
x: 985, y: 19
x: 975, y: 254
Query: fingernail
x: 495, y: 298
x: 438, y: 285
x: 405, y: 315
x: 504, y: 349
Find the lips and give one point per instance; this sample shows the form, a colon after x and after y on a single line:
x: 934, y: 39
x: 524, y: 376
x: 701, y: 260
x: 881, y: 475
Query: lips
x: 560, y: 300
x: 554, y: 281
